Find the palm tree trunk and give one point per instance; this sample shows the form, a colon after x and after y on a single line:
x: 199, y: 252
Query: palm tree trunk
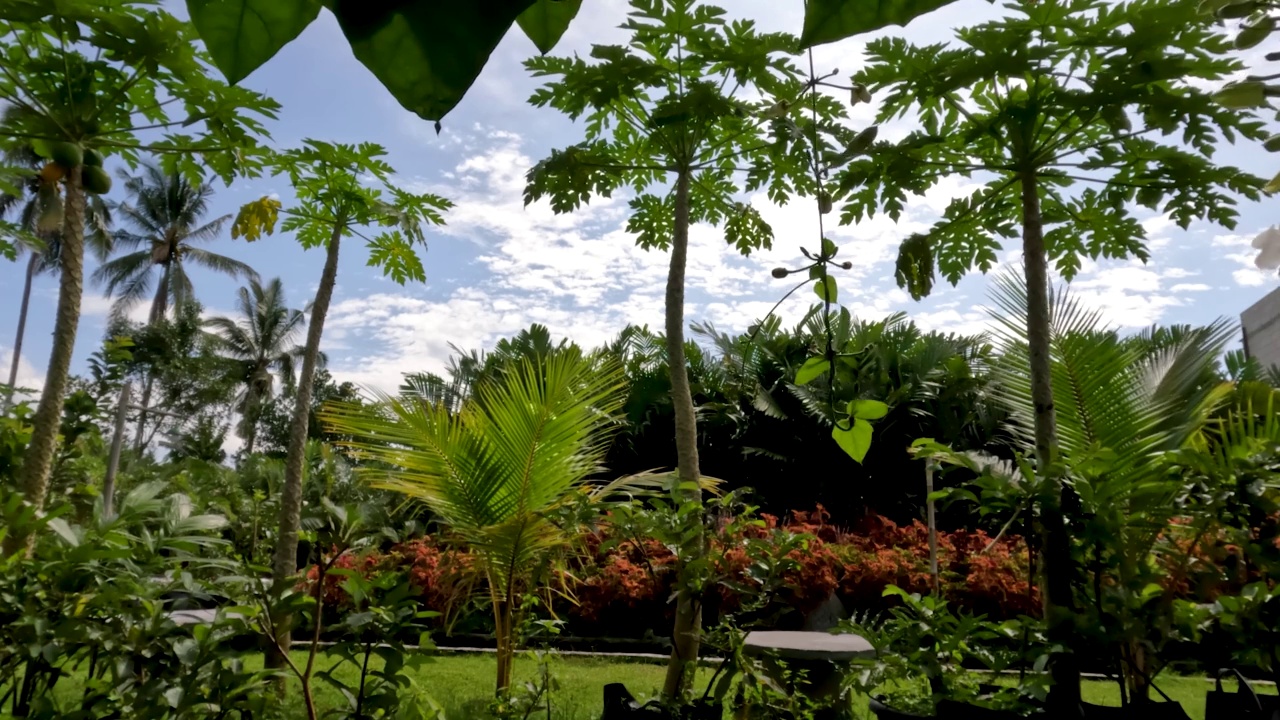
x: 686, y: 634
x: 159, y: 307
x: 285, y: 563
x: 503, y: 631
x: 1058, y: 601
x: 32, y: 264
x: 44, y: 433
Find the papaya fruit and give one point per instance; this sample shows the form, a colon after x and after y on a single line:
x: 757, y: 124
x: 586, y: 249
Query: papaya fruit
x: 66, y: 154
x: 52, y: 173
x: 1252, y: 35
x: 93, y: 158
x: 95, y: 180
x: 50, y: 200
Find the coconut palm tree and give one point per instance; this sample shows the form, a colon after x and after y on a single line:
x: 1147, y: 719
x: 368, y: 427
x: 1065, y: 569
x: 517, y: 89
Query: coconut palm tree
x: 259, y: 346
x: 1126, y: 408
x: 492, y: 472
x: 165, y: 211
x: 39, y: 214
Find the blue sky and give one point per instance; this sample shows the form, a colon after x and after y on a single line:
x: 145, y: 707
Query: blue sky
x: 498, y: 266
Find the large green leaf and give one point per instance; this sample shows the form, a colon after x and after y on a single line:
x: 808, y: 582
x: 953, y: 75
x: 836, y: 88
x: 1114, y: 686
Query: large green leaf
x: 855, y: 440
x: 426, y: 52
x: 243, y: 34
x: 547, y: 20
x: 830, y: 20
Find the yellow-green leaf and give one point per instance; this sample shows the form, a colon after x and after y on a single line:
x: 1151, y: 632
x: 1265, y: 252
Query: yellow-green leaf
x: 855, y: 439
x: 826, y: 289
x: 1273, y: 186
x: 868, y: 409
x: 811, y: 369
x: 255, y: 218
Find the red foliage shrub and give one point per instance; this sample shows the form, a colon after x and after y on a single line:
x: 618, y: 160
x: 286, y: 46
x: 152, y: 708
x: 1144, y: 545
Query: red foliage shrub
x: 625, y: 586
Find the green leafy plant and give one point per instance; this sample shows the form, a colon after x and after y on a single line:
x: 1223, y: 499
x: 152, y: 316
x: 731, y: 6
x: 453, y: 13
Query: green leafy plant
x: 922, y: 649
x: 99, y: 600
x: 89, y: 78
x: 1058, y: 108
x: 666, y: 117
x: 494, y: 472
x: 341, y: 190
x: 1257, y: 21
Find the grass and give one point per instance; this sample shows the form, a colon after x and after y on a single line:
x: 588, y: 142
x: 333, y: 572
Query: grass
x: 463, y: 685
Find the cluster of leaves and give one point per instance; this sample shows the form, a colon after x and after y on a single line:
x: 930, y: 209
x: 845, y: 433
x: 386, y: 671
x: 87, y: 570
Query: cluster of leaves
x: 1071, y: 97
x: 101, y: 597
x: 1258, y: 20
x: 924, y: 648
x: 336, y: 198
x: 107, y: 76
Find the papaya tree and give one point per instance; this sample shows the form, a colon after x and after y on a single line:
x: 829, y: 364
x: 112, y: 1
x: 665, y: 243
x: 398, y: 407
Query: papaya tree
x: 1257, y: 21
x: 87, y: 80
x: 341, y: 191
x: 1071, y: 114
x: 692, y: 113
x: 428, y: 53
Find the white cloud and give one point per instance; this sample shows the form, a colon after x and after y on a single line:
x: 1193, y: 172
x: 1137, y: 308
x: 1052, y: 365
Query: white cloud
x: 28, y: 376
x: 1190, y: 287
x: 1247, y: 273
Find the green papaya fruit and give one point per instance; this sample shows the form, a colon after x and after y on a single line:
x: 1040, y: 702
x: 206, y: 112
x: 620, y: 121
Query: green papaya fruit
x: 1242, y: 95
x: 1251, y: 35
x: 93, y: 158
x: 1238, y: 9
x: 50, y: 200
x: 95, y: 180
x: 66, y: 154
x: 862, y: 142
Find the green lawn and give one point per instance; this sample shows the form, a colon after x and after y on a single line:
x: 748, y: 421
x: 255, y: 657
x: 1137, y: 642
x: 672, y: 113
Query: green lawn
x: 463, y: 684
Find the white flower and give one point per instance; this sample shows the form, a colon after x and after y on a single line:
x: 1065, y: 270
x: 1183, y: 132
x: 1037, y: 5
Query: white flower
x: 1268, y: 246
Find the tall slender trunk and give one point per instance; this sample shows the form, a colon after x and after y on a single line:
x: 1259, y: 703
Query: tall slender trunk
x: 686, y: 635
x: 44, y: 433
x: 503, y: 634
x: 159, y: 308
x: 113, y: 460
x: 1058, y: 601
x: 32, y: 264
x: 285, y: 562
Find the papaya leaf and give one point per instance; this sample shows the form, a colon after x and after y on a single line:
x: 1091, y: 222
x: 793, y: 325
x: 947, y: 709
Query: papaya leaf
x: 241, y: 35
x: 830, y: 20
x: 546, y: 21
x: 427, y: 54
x: 854, y: 439
x: 811, y: 369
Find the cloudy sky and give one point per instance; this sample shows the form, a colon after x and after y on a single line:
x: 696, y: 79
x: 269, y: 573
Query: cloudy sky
x: 499, y: 266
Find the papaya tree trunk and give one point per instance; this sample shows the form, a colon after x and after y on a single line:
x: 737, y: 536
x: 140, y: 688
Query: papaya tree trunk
x: 686, y: 635
x: 1059, y: 605
x: 159, y: 307
x: 48, y: 416
x: 285, y: 562
x: 32, y: 264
